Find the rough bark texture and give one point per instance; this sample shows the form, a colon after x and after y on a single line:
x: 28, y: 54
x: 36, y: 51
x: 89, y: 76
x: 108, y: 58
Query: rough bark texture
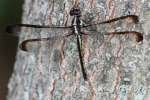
x: 117, y: 67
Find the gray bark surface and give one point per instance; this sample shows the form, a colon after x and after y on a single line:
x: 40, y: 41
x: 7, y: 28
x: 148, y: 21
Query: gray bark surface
x: 117, y: 66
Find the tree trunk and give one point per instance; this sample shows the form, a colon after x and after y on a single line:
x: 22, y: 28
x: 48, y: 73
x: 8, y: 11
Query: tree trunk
x: 117, y: 67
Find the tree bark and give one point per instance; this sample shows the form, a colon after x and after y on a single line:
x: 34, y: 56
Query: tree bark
x: 117, y: 67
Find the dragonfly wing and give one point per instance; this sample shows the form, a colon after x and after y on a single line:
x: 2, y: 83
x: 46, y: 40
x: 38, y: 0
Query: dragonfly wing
x: 138, y: 35
x: 43, y: 35
x: 32, y: 45
x: 133, y: 18
x: 100, y: 35
x: 123, y: 21
x: 14, y: 30
x: 102, y: 27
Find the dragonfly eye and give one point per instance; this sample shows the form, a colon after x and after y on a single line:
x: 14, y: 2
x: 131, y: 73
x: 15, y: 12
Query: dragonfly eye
x: 75, y: 11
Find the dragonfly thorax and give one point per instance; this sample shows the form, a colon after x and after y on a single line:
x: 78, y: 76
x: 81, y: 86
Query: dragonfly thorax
x: 76, y: 25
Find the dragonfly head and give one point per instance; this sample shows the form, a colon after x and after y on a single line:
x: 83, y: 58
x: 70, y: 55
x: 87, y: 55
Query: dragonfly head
x: 75, y: 12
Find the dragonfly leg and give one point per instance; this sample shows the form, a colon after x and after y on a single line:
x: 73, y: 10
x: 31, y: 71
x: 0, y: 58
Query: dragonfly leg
x: 68, y: 35
x: 83, y: 33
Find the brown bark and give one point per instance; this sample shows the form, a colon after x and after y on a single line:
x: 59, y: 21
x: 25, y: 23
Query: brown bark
x: 117, y: 67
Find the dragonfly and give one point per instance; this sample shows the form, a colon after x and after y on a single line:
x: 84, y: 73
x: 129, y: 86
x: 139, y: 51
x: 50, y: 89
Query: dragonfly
x: 76, y: 30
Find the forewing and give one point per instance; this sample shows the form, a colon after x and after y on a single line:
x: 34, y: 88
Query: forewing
x: 117, y: 26
x: 34, y: 37
x: 16, y: 29
x: 127, y: 18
